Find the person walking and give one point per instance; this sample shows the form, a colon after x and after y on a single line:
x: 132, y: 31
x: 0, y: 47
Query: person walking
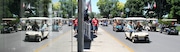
x: 95, y: 24
x: 75, y: 22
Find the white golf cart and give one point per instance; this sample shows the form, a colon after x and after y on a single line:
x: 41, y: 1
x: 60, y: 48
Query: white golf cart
x: 152, y: 25
x: 56, y: 25
x: 117, y: 27
x: 37, y: 35
x: 136, y: 35
x: 169, y: 29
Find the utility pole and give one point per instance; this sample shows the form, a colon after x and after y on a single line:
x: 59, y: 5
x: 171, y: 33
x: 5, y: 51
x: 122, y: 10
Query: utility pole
x: 80, y: 39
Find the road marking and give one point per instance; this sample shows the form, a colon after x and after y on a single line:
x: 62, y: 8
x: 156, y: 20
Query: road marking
x: 48, y: 43
x: 120, y: 42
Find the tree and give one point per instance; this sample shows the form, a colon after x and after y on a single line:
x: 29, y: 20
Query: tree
x: 175, y: 9
x: 108, y: 7
x: 135, y: 6
x: 6, y: 8
x: 56, y: 6
x: 68, y: 7
x: 92, y: 14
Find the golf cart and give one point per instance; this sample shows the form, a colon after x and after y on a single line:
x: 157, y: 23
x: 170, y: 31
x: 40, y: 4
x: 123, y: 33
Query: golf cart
x: 104, y: 22
x: 136, y: 35
x: 57, y: 25
x: 117, y: 27
x: 151, y: 26
x: 169, y: 30
x: 70, y: 22
x: 8, y: 29
x: 37, y: 35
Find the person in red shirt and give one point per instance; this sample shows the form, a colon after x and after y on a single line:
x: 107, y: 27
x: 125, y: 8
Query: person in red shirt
x: 95, y: 24
x: 75, y: 22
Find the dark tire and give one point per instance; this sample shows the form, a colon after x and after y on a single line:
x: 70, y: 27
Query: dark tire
x: 38, y: 39
x: 126, y: 36
x: 26, y: 38
x: 134, y: 40
x: 46, y: 37
x: 147, y: 39
x: 113, y: 28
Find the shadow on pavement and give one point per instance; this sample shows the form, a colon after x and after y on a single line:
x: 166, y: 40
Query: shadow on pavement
x: 87, y: 41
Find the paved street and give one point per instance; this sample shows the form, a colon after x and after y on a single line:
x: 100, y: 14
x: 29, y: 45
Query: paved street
x: 159, y: 42
x: 14, y: 42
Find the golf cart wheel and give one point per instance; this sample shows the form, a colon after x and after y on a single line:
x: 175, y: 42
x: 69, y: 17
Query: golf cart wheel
x: 38, y: 39
x: 147, y: 39
x: 113, y: 29
x: 126, y: 36
x: 134, y: 40
x: 46, y: 37
x: 26, y: 38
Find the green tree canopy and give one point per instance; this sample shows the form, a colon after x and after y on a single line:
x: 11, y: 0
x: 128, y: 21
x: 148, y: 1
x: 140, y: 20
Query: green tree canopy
x: 56, y: 6
x: 68, y: 7
x: 107, y: 7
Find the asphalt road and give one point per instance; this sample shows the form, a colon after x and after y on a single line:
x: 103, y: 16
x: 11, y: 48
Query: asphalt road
x: 14, y: 42
x: 159, y: 42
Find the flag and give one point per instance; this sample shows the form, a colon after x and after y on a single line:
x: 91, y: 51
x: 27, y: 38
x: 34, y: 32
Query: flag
x: 29, y: 6
x: 149, y: 6
x: 154, y: 5
x: 23, y: 5
x: 89, y: 6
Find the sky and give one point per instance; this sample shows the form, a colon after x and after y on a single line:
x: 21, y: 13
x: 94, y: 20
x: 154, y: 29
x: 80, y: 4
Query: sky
x: 93, y: 4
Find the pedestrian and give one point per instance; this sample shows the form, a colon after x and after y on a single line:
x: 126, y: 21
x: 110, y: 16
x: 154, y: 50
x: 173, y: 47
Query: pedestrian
x: 75, y: 22
x: 95, y: 23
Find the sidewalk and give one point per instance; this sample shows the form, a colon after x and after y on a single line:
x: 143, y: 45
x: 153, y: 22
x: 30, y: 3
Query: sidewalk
x: 102, y: 43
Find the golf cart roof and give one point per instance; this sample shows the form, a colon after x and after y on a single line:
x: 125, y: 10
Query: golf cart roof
x: 8, y: 18
x: 152, y: 19
x: 169, y: 19
x: 38, y: 18
x: 118, y: 18
x: 135, y: 18
x: 104, y: 18
x: 58, y: 18
x: 23, y: 18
